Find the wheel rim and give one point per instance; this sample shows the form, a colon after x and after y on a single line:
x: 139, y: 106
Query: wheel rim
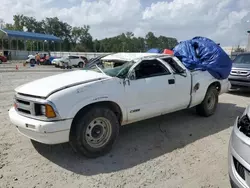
x: 98, y: 132
x: 211, y: 101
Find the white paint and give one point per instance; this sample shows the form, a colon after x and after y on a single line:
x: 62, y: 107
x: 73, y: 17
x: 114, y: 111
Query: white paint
x: 43, y: 87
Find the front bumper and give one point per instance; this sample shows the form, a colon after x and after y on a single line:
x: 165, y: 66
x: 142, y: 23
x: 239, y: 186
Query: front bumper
x: 239, y: 83
x: 238, y: 159
x: 55, y: 132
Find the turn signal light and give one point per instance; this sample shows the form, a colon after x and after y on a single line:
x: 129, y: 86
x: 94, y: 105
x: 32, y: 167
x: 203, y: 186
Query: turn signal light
x: 50, y: 113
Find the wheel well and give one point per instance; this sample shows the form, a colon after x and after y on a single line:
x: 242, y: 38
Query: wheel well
x: 217, y: 85
x: 81, y: 62
x: 108, y: 104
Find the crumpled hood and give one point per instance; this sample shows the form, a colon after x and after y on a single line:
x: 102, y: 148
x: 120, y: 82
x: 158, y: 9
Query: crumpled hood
x: 45, y: 86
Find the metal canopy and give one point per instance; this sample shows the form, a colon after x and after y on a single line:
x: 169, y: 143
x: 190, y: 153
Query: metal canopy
x: 4, y: 33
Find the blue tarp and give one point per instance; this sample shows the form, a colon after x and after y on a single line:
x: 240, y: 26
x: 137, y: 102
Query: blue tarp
x: 201, y: 53
x: 154, y: 50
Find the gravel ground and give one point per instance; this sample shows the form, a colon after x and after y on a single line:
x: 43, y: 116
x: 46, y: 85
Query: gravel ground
x: 176, y: 150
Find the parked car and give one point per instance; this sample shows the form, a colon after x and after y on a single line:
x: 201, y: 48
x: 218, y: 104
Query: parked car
x: 31, y: 59
x: 46, y: 59
x: 57, y: 61
x: 239, y: 152
x: 240, y: 73
x: 87, y: 107
x: 3, y: 59
x: 72, y: 61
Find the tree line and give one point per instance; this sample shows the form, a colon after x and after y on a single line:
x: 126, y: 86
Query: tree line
x: 80, y: 39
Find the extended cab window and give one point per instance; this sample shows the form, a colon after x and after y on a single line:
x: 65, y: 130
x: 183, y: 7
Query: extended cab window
x: 150, y: 68
x: 174, y: 65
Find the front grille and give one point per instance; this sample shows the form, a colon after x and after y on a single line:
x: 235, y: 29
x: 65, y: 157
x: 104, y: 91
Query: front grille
x: 239, y: 168
x: 23, y: 106
x: 23, y: 111
x: 24, y: 102
x: 240, y: 73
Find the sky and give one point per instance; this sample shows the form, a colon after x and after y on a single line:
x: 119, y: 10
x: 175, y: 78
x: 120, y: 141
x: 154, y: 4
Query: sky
x: 224, y: 21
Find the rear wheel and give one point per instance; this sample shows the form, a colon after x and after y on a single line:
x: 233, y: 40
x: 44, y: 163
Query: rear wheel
x: 209, y: 104
x: 95, y: 132
x: 81, y: 64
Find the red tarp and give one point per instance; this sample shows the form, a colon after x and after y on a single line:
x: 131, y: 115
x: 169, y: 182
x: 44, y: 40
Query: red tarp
x: 167, y: 51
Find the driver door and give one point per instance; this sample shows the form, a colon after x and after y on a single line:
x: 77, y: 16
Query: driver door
x: 150, y: 91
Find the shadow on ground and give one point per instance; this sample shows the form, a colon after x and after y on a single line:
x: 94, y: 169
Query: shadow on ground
x: 146, y: 140
x: 245, y: 92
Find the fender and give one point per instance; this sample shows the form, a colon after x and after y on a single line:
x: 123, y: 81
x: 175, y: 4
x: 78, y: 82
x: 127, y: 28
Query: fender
x: 205, y: 80
x: 95, y: 99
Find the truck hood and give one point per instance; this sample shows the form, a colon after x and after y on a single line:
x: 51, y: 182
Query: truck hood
x: 46, y: 86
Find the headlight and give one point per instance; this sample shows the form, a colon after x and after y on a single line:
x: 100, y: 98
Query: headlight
x: 45, y: 110
x: 244, y: 123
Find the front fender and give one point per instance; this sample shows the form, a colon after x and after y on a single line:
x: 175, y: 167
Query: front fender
x: 92, y: 100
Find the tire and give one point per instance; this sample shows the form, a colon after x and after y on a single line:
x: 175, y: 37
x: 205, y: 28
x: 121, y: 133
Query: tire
x: 32, y: 61
x: 95, y: 132
x: 80, y: 64
x: 0, y: 61
x: 210, y: 102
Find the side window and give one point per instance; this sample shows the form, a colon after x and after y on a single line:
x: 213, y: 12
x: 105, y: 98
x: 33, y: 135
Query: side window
x: 176, y: 68
x: 150, y: 68
x: 73, y: 57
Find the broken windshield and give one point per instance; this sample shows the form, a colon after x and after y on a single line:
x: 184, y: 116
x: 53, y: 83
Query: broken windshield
x: 114, y: 69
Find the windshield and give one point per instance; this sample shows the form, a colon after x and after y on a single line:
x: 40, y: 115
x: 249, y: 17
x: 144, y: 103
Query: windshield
x: 242, y: 59
x: 113, y: 69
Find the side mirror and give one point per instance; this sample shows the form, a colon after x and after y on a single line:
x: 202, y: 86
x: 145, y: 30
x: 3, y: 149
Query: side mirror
x: 129, y: 77
x: 184, y: 73
x: 132, y: 75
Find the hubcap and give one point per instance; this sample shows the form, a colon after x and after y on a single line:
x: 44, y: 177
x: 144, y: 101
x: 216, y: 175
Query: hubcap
x: 211, y: 101
x: 98, y: 132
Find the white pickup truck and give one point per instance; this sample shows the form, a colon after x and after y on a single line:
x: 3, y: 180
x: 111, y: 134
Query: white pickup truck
x: 87, y: 107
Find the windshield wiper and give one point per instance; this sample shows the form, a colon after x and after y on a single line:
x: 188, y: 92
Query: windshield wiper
x: 100, y: 69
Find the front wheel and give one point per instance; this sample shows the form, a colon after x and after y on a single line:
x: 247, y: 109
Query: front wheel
x: 209, y: 104
x: 95, y: 132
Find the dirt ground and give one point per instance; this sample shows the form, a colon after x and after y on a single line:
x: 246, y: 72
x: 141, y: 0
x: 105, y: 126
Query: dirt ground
x: 176, y: 150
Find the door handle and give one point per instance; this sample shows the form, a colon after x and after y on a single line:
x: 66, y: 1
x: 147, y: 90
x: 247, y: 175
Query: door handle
x: 171, y: 81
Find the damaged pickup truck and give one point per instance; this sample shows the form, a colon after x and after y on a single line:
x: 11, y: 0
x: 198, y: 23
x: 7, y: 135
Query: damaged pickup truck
x: 87, y: 107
